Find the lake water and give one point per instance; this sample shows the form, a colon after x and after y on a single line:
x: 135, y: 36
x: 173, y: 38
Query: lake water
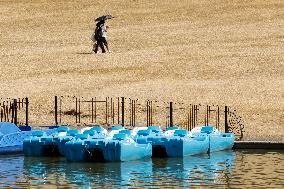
x: 226, y: 169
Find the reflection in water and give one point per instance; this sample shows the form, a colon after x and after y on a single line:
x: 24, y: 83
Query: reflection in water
x: 201, y: 170
x: 11, y: 170
x: 223, y: 169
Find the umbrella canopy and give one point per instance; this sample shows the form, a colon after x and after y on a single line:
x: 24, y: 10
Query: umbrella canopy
x: 104, y: 17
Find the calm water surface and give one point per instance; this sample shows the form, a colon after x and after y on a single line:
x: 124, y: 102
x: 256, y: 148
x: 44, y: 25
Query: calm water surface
x: 227, y: 169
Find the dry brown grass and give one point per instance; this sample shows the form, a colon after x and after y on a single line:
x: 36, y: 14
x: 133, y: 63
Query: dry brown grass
x: 218, y: 52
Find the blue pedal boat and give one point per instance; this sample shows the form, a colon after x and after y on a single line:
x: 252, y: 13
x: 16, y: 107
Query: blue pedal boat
x: 59, y: 141
x: 156, y: 137
x: 86, y: 147
x: 12, y: 137
x: 42, y: 144
x: 217, y: 140
x: 182, y: 144
x: 147, y: 134
x: 123, y: 148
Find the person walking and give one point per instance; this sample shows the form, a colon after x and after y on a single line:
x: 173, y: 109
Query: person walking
x: 101, y: 37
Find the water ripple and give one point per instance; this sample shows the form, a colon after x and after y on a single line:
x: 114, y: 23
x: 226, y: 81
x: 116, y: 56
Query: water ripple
x: 228, y: 169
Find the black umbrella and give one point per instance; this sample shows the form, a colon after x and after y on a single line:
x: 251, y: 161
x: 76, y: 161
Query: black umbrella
x: 104, y: 17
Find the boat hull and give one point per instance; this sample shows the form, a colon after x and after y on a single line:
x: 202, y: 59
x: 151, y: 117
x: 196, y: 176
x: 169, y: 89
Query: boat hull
x: 185, y: 146
x: 125, y: 151
x: 85, y: 150
x: 222, y: 141
x: 38, y: 147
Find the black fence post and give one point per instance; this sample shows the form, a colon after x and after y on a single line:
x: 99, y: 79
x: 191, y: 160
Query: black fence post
x: 122, y: 111
x: 111, y: 113
x: 171, y: 114
x: 55, y: 110
x: 12, y: 106
x: 79, y: 110
x: 118, y: 121
x: 106, y: 110
x: 1, y: 112
x: 217, y: 117
x: 147, y: 113
x: 151, y: 113
x: 132, y: 112
x: 191, y: 117
x: 226, y: 119
x: 92, y: 110
x: 27, y: 110
x: 76, y: 109
x: 4, y: 111
x: 15, y: 112
x: 95, y: 109
x: 188, y: 121
x: 196, y: 115
x: 7, y: 111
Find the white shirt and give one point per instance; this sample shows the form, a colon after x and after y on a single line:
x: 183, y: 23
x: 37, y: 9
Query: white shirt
x: 104, y: 31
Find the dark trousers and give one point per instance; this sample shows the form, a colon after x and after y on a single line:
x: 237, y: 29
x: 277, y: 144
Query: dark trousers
x: 100, y: 43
